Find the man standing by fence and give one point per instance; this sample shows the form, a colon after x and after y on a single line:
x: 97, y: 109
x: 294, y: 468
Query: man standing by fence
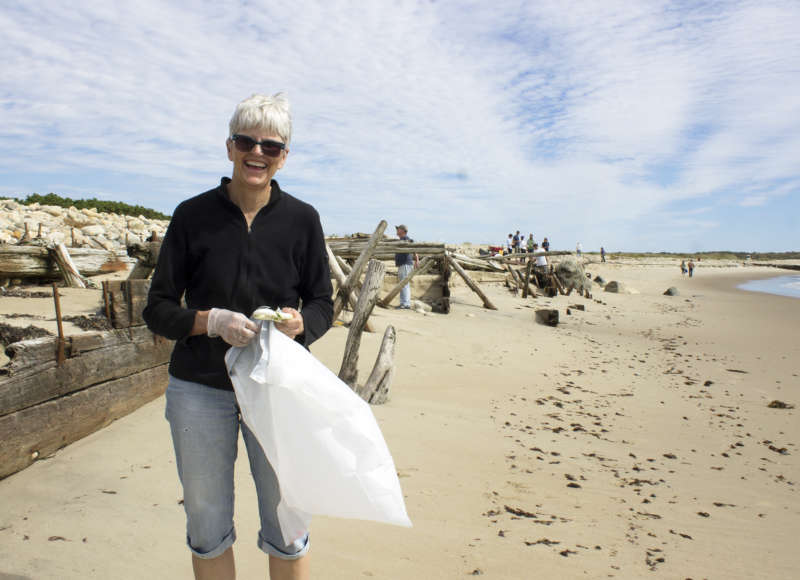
x: 405, y: 264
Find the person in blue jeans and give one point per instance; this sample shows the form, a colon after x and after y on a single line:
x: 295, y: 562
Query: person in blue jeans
x: 405, y: 264
x: 243, y: 244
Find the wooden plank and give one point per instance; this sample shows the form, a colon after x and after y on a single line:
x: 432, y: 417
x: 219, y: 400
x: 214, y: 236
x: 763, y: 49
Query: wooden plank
x: 385, y: 250
x: 358, y: 267
x: 339, y: 276
x: 40, y: 431
x: 35, y: 261
x: 78, y: 372
x: 510, y: 257
x: 72, y: 277
x: 469, y: 263
x: 486, y: 302
x: 128, y: 299
x: 27, y: 355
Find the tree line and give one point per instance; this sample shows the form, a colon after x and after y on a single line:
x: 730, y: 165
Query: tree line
x: 100, y: 205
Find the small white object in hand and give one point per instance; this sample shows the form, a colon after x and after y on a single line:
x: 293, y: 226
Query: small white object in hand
x: 265, y: 313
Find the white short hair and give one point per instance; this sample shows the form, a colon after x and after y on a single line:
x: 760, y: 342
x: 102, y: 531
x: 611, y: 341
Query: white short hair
x: 263, y: 112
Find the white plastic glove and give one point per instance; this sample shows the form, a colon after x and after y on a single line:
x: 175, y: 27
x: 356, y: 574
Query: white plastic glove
x: 234, y: 327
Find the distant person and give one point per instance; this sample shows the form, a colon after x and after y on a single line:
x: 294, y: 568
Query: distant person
x: 546, y: 245
x: 405, y: 264
x: 540, y: 265
x: 510, y: 244
x: 515, y: 240
x: 683, y: 267
x: 579, y: 249
x: 690, y: 266
x: 602, y: 254
x: 530, y: 243
x: 522, y: 245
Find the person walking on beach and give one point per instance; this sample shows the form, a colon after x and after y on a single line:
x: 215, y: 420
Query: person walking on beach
x: 579, y: 249
x: 690, y: 266
x: 530, y: 243
x: 546, y: 245
x: 510, y: 244
x: 405, y: 264
x: 602, y: 254
x: 683, y: 267
x: 243, y: 244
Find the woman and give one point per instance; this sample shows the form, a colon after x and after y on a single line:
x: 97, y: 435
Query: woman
x: 243, y: 244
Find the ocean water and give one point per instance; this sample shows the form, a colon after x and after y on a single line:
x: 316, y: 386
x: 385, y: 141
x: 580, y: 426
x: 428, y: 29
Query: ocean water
x: 781, y: 285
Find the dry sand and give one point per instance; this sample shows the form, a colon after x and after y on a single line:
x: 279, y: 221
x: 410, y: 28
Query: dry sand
x: 632, y: 441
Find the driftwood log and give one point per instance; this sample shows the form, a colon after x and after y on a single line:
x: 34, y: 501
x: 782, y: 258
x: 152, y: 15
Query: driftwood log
x: 373, y: 281
x: 36, y: 262
x: 358, y: 267
x: 66, y: 266
x: 385, y: 250
x: 425, y: 265
x: 524, y: 255
x: 457, y: 267
x: 339, y: 276
x: 376, y: 390
x: 469, y: 263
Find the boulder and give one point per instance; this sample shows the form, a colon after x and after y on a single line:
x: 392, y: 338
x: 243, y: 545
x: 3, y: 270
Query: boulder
x: 572, y: 275
x: 94, y: 230
x: 671, y: 291
x: 616, y: 287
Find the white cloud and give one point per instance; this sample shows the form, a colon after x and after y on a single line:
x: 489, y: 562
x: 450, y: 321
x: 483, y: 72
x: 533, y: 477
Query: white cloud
x: 465, y: 120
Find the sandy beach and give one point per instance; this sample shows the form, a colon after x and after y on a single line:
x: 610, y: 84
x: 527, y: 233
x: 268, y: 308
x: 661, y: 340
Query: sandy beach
x: 633, y: 440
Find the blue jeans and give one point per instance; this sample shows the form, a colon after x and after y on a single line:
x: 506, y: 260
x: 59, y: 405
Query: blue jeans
x: 205, y: 432
x: 404, y: 272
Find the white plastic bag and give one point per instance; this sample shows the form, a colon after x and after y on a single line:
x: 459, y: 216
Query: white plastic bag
x: 321, y: 438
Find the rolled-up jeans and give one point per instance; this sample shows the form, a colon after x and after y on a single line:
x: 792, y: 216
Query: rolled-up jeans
x: 205, y: 432
x: 404, y: 272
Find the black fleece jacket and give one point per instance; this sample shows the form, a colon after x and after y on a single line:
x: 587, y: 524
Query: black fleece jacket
x: 209, y: 257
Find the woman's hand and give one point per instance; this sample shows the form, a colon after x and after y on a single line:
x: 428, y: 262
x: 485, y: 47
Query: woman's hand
x: 234, y: 327
x: 293, y: 327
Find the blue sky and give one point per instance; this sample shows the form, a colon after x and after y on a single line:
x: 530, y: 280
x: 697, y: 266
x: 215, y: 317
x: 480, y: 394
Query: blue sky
x: 653, y: 126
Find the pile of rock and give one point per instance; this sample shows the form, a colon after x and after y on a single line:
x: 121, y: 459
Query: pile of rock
x: 79, y: 228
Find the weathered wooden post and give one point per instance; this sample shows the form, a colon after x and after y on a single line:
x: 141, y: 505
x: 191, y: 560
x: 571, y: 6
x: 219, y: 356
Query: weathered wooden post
x: 358, y: 267
x: 376, y: 390
x: 339, y: 276
x: 457, y: 267
x: 60, y: 356
x: 366, y: 302
x: 72, y: 277
x: 525, y: 291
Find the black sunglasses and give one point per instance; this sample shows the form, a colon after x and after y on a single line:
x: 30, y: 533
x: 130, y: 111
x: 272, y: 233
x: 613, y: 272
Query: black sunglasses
x: 269, y: 148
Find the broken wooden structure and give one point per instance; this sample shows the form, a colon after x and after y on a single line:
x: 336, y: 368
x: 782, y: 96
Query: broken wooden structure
x: 38, y: 263
x: 56, y: 390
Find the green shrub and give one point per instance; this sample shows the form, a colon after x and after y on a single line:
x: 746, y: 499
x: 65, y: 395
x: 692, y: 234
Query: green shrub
x: 116, y: 207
